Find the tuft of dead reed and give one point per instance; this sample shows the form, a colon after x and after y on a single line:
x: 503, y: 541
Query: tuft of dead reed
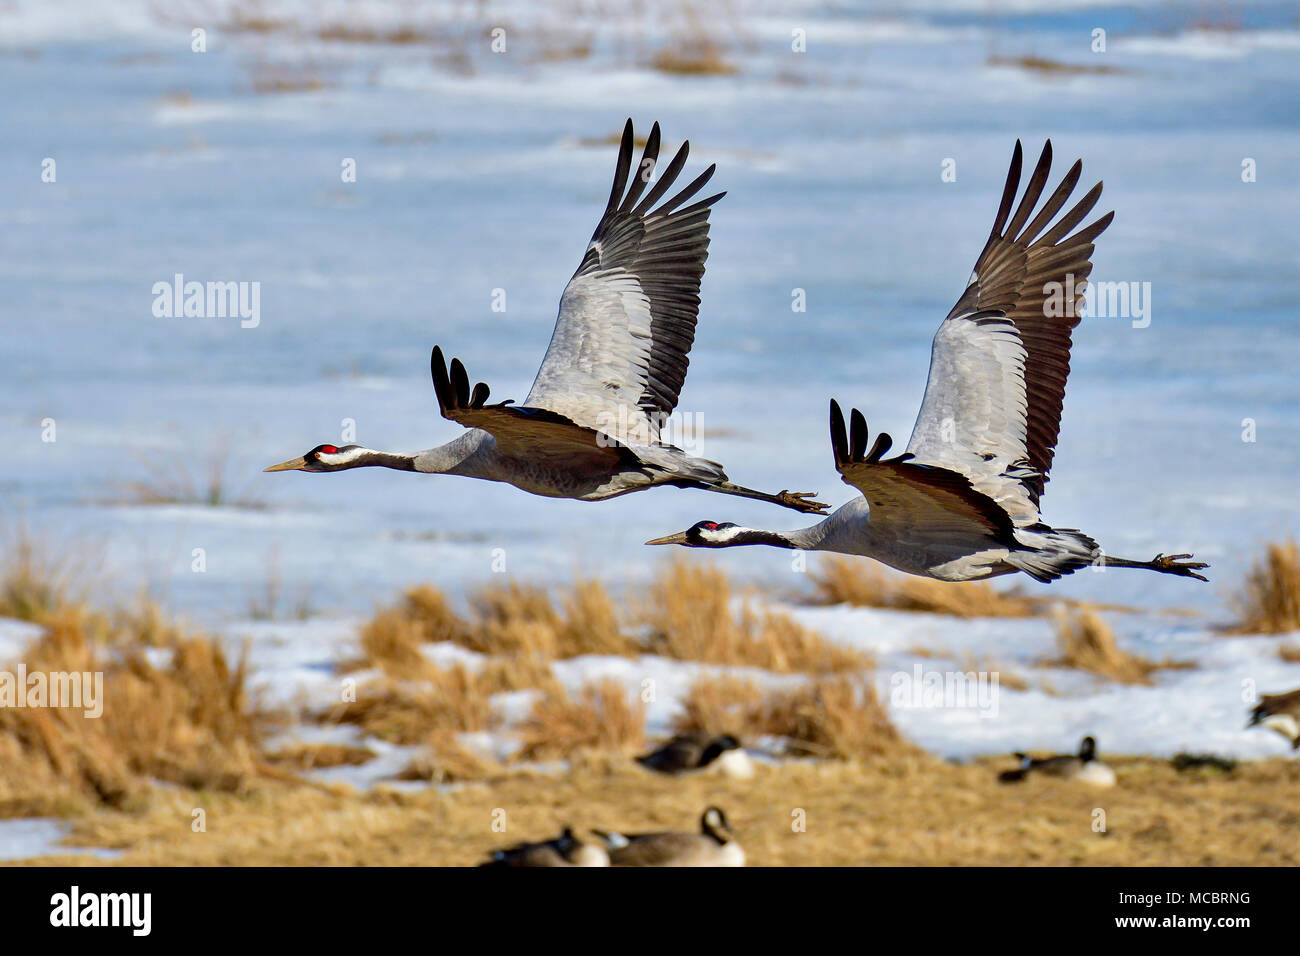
x: 836, y: 716
x: 407, y: 712
x: 603, y: 717
x: 1270, y: 598
x: 34, y: 581
x: 1086, y: 642
x: 189, y: 722
x: 445, y: 760
x: 719, y: 705
x: 690, y: 617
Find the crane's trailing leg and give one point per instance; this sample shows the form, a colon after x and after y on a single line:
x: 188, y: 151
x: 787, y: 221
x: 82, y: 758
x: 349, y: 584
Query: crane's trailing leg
x: 798, y: 500
x: 1164, y: 563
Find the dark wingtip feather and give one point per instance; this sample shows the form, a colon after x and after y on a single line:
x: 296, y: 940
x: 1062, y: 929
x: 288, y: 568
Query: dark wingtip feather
x: 695, y: 186
x: 839, y: 438
x: 441, y: 383
x: 857, y: 435
x: 1090, y: 233
x: 649, y: 159
x: 1009, y: 189
x: 1033, y: 190
x: 460, y: 382
x: 625, y: 149
x: 665, y: 181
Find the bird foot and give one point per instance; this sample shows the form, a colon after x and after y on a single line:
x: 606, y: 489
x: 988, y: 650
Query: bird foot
x: 801, y: 501
x: 1178, y: 564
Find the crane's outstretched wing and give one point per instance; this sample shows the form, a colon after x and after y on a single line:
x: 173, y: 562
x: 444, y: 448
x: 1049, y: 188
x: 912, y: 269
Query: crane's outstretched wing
x: 998, y: 366
x: 536, y: 435
x: 916, y: 501
x: 618, y: 355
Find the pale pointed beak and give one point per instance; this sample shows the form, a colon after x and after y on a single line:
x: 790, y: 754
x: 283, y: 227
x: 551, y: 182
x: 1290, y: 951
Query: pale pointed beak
x: 296, y: 464
x: 678, y: 538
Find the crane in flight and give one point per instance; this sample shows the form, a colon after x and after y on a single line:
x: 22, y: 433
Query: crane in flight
x: 590, y: 427
x: 962, y: 503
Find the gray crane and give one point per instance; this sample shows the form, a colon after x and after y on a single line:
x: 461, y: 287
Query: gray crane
x: 590, y: 427
x: 963, y: 502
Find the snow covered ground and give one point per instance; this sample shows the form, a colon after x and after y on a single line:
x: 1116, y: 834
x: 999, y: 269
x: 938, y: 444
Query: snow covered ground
x: 1200, y: 708
x: 492, y: 176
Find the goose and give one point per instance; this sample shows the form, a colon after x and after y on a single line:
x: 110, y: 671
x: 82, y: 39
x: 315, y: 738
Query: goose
x: 564, y: 850
x: 590, y: 427
x: 1280, y: 713
x: 714, y: 845
x: 697, y: 750
x: 1083, y: 767
x: 962, y: 503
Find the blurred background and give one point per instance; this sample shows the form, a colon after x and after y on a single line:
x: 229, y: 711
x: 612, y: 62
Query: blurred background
x: 478, y: 171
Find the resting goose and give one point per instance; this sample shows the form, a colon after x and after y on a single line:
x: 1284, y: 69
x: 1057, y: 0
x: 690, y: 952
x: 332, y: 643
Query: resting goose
x: 1083, y: 766
x: 714, y: 845
x: 564, y: 850
x: 1280, y: 713
x: 697, y: 750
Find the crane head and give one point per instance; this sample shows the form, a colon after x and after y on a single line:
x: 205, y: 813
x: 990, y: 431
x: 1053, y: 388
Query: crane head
x: 324, y: 458
x: 704, y: 534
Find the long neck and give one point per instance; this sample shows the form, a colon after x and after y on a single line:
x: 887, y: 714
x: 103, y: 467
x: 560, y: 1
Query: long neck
x: 800, y: 540
x: 385, y: 459
x: 464, y: 455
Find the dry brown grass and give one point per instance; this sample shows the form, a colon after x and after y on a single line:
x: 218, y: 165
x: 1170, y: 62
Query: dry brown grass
x: 833, y: 717
x: 515, y: 619
x: 521, y: 672
x: 719, y: 705
x: 1086, y: 642
x: 445, y: 760
x: 407, y: 712
x: 1046, y: 67
x: 144, y: 623
x: 188, y: 723
x: 34, y: 580
x: 391, y: 640
x: 911, y: 811
x: 1270, y: 599
x: 402, y: 35
x: 689, y: 614
x: 603, y: 717
x: 690, y: 617
x: 321, y: 756
x: 591, y: 623
x: 269, y: 78
x: 837, y: 718
x: 845, y: 580
x: 696, y: 58
x: 1289, y: 653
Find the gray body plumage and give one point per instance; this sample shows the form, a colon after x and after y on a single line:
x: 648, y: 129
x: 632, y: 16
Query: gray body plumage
x: 962, y: 503
x: 591, y: 425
